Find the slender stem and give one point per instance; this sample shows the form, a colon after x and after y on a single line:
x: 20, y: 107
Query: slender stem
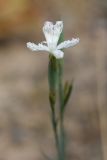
x: 55, y: 83
x: 53, y: 87
x: 54, y: 124
x: 61, y: 101
x: 62, y: 141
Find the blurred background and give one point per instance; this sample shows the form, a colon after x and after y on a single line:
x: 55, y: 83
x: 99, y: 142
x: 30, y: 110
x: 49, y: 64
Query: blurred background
x: 25, y: 128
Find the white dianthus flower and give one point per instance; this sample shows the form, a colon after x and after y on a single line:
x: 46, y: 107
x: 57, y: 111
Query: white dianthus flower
x: 52, y: 34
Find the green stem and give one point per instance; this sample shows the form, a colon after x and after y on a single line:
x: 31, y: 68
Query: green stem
x: 61, y: 114
x: 53, y: 86
x: 62, y: 141
x: 54, y: 124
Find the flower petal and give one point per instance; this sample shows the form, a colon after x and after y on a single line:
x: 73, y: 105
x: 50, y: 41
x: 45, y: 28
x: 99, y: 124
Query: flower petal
x: 32, y: 46
x: 48, y: 30
x: 69, y: 43
x: 39, y: 47
x: 58, y: 27
x: 42, y: 47
x: 52, y: 33
x: 58, y: 54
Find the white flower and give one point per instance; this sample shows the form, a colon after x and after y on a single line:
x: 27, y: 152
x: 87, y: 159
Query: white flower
x: 52, y: 34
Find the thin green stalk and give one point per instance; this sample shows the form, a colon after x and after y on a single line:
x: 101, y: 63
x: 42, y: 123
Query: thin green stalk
x: 61, y: 114
x: 54, y: 125
x: 53, y: 87
x: 62, y: 140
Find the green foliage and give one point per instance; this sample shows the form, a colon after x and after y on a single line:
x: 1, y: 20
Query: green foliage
x: 67, y: 92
